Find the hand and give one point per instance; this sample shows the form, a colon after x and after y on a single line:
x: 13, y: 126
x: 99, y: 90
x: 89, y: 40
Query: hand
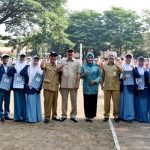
x: 102, y: 87
x: 149, y: 81
x: 92, y: 82
x: 77, y: 87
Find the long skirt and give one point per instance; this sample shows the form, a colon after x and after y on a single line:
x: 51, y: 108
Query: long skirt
x: 19, y: 105
x: 33, y: 108
x: 90, y: 105
x: 126, y: 105
x: 141, y: 106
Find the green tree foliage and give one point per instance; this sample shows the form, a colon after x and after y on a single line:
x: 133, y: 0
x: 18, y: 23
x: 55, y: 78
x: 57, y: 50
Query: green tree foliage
x: 116, y: 29
x: 36, y: 22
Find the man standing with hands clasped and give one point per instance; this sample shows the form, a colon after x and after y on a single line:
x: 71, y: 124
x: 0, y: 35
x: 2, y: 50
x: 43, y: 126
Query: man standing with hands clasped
x: 70, y: 79
x: 111, y: 87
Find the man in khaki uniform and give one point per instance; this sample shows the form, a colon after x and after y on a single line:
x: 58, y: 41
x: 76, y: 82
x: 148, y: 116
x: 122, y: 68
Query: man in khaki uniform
x: 111, y: 87
x: 50, y: 86
x: 70, y: 78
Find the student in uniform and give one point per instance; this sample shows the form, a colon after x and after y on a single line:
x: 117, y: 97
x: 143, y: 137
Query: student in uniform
x: 141, y: 93
x: 4, y: 93
x: 19, y: 91
x: 91, y: 75
x: 128, y: 85
x: 31, y: 73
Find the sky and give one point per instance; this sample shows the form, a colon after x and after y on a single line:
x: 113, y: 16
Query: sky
x: 101, y: 5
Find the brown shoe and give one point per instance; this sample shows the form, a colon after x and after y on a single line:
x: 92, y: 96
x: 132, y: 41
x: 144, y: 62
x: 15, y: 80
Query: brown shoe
x: 106, y: 119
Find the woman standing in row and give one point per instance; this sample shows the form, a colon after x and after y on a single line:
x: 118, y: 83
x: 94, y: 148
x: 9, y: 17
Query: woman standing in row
x: 33, y: 82
x: 91, y: 75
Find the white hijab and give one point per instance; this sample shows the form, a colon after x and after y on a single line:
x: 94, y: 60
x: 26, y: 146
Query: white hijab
x: 127, y: 67
x: 32, y: 70
x: 140, y: 70
x: 20, y: 65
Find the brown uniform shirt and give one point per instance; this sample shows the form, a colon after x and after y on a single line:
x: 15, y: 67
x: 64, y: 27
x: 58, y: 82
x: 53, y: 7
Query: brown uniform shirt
x: 51, y: 77
x: 110, y: 77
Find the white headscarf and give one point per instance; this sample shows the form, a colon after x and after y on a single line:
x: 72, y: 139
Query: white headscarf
x: 127, y: 67
x: 32, y: 70
x: 140, y: 70
x: 20, y: 65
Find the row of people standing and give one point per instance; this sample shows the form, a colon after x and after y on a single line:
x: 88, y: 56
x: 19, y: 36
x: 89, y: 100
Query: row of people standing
x: 127, y: 86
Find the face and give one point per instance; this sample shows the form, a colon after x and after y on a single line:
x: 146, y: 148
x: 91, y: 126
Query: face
x: 90, y: 59
x: 141, y: 63
x: 70, y: 54
x: 22, y: 58
x: 53, y: 59
x: 5, y: 60
x: 128, y: 60
x: 35, y: 61
x: 111, y: 59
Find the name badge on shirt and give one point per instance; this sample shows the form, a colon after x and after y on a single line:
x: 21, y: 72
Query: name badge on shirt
x: 114, y: 73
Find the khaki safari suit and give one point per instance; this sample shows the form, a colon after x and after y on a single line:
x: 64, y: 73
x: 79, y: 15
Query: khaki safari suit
x: 68, y: 82
x: 111, y: 87
x: 50, y: 86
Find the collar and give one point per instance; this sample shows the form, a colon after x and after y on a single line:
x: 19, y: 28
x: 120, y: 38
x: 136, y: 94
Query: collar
x: 73, y: 59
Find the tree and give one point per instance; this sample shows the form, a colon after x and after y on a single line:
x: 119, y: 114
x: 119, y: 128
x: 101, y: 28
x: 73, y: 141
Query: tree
x: 86, y: 27
x: 41, y: 23
x: 124, y: 30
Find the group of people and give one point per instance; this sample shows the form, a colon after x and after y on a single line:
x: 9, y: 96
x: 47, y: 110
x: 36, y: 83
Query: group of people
x: 125, y: 84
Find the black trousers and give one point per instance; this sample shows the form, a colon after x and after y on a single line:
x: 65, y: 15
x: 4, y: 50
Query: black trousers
x: 90, y: 105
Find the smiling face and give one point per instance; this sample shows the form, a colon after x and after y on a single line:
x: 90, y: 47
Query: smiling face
x: 70, y: 54
x: 90, y: 59
x: 35, y: 61
x: 53, y: 59
x: 141, y: 63
x: 128, y: 60
x: 5, y: 60
x: 22, y: 58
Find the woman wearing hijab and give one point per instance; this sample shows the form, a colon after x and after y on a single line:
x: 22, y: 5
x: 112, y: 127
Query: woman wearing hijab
x: 128, y: 85
x: 33, y: 81
x: 18, y: 88
x: 91, y: 75
x: 141, y: 94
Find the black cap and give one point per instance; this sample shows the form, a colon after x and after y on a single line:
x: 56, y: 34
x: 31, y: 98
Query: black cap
x: 53, y: 54
x: 70, y: 49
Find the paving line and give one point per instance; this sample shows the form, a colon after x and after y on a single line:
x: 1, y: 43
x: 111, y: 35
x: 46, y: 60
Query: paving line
x: 114, y: 135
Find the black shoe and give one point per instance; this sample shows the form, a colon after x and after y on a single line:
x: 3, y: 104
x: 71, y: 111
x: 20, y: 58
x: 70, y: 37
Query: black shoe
x: 116, y: 119
x: 106, y: 119
x: 129, y: 121
x: 55, y: 118
x: 8, y: 118
x: 46, y: 120
x: 74, y: 120
x: 2, y: 119
x: 62, y: 119
x: 90, y: 120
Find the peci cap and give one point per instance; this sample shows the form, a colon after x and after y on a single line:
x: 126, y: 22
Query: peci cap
x: 70, y: 50
x: 5, y: 55
x: 53, y: 53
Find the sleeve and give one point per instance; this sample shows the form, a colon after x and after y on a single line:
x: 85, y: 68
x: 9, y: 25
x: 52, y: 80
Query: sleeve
x: 99, y: 75
x: 79, y: 67
x: 136, y: 73
x: 81, y: 72
x: 11, y: 72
